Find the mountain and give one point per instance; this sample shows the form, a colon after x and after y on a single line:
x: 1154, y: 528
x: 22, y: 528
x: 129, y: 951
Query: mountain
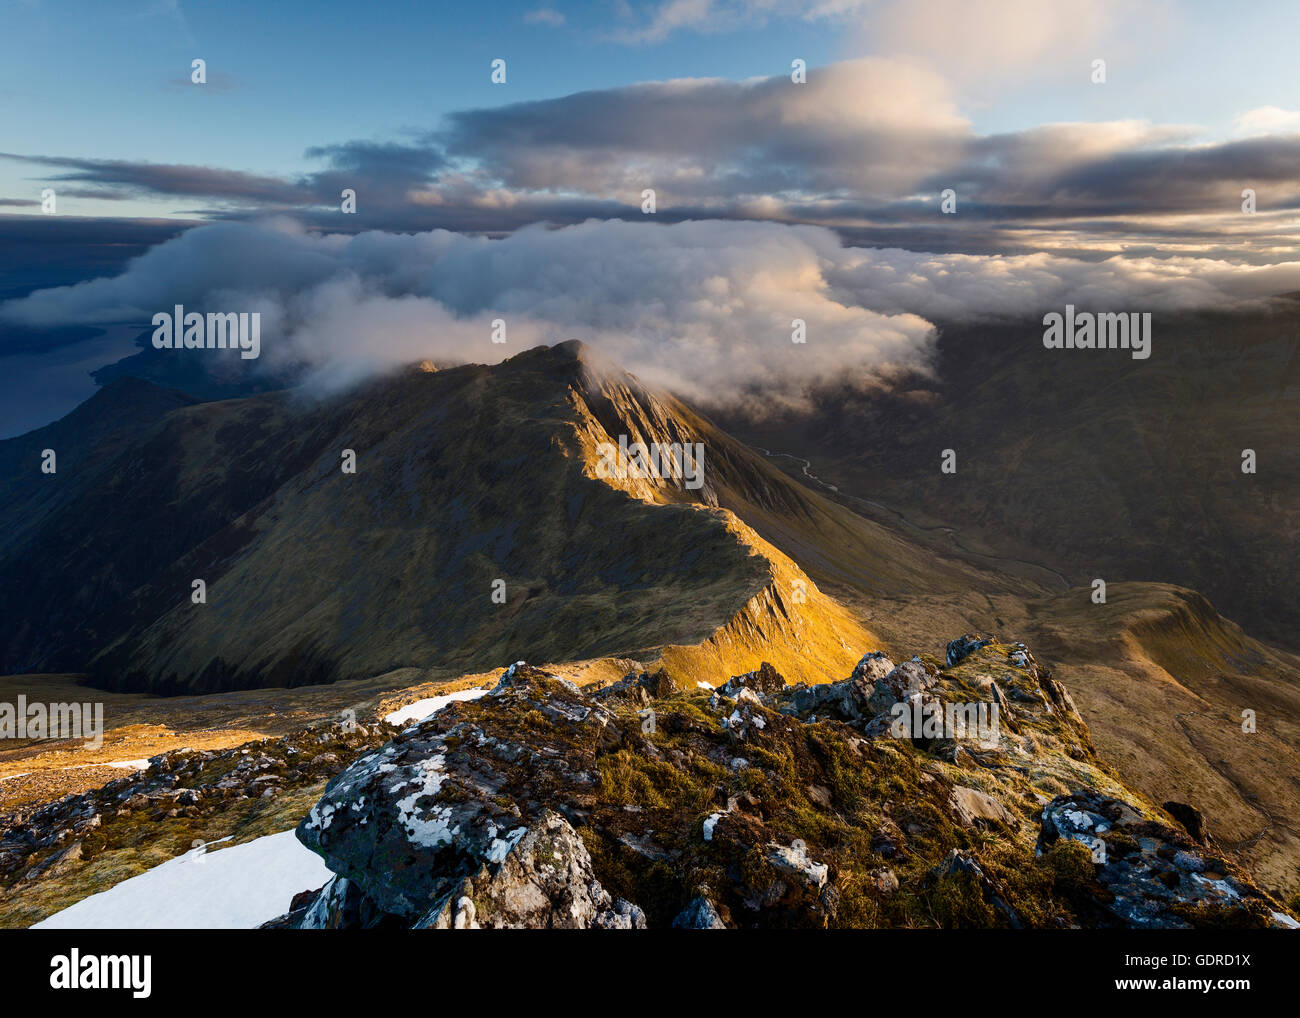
x: 381, y: 579
x: 464, y: 477
x: 1086, y: 463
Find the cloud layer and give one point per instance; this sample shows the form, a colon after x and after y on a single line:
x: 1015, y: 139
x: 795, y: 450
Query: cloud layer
x: 703, y: 308
x: 864, y: 146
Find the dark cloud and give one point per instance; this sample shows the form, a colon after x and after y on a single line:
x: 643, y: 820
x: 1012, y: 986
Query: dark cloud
x: 864, y: 148
x: 170, y: 179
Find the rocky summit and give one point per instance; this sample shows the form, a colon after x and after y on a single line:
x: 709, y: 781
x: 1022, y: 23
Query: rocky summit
x: 648, y: 803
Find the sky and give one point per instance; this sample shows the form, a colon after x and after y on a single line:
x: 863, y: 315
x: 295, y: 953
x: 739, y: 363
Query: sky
x: 1128, y: 186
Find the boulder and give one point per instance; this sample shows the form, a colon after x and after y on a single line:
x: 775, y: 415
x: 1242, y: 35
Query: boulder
x: 873, y: 665
x: 1153, y: 876
x: 793, y: 860
x: 699, y: 914
x: 963, y: 647
x: 765, y: 681
x: 544, y: 881
x: 1190, y: 817
x: 979, y: 809
x: 901, y: 684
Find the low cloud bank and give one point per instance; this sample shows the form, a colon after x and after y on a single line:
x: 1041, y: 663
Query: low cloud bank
x: 704, y: 308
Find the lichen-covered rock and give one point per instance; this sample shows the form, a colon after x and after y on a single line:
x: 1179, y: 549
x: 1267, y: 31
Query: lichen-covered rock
x: 872, y: 666
x: 963, y: 647
x: 909, y: 679
x: 639, y: 688
x: 1153, y: 875
x: 545, y: 881
x: 979, y: 809
x: 765, y: 681
x: 545, y: 805
x: 409, y: 822
x: 699, y: 914
x: 793, y: 859
x: 336, y: 906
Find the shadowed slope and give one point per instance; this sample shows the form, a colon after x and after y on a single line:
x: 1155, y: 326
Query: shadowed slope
x: 464, y: 477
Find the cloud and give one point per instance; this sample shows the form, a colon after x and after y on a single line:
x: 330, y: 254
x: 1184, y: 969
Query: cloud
x: 983, y: 42
x: 703, y: 308
x: 1267, y: 120
x: 544, y: 16
x: 170, y: 179
x: 655, y: 22
x: 866, y: 127
x: 864, y: 147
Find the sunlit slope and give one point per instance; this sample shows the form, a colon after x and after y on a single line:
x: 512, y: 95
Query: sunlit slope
x: 464, y: 477
x: 1089, y: 462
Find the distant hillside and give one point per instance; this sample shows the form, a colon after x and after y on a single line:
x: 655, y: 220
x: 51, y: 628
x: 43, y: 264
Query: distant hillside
x: 1089, y: 462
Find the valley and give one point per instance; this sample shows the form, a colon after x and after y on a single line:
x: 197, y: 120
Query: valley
x: 332, y: 599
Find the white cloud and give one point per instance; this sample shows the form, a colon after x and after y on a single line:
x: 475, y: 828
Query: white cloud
x: 703, y: 308
x: 544, y: 16
x: 1265, y: 120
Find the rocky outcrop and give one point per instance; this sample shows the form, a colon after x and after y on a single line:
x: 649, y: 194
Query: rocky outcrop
x: 960, y: 649
x: 765, y: 681
x: 699, y: 914
x: 758, y: 805
x: 1153, y: 875
x: 544, y: 881
x: 177, y: 793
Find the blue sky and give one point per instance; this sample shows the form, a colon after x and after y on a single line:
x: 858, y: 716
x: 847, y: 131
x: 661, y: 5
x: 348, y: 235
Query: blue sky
x: 775, y: 199
x: 111, y: 79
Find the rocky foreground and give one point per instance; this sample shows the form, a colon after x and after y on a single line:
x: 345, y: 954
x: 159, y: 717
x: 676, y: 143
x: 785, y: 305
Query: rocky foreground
x: 757, y: 804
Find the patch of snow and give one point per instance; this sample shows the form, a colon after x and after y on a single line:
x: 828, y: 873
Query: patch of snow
x: 1285, y: 920
x: 236, y: 888
x: 709, y: 824
x: 429, y: 706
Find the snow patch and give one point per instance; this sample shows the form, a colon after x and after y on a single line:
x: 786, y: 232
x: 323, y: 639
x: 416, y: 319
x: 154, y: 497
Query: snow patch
x: 236, y: 888
x: 422, y: 709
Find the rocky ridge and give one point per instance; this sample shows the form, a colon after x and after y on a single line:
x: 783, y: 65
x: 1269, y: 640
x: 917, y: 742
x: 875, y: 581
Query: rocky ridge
x: 858, y: 803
